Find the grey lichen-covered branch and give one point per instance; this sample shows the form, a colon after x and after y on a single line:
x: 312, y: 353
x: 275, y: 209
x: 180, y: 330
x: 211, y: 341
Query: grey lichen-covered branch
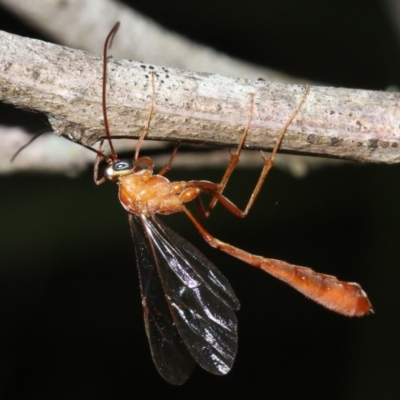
x: 139, y: 37
x: 194, y: 107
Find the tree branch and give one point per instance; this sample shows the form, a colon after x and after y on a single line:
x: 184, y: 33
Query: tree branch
x: 139, y: 37
x: 194, y: 107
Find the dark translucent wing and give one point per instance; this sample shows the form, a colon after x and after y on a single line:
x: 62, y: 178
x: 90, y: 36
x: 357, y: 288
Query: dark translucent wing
x: 200, y: 298
x: 170, y: 355
x: 196, y: 268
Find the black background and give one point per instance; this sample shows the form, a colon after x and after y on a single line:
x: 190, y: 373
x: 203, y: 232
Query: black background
x: 71, y: 318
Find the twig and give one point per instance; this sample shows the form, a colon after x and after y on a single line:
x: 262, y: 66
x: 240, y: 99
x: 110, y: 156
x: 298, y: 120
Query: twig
x: 139, y: 37
x: 193, y: 107
x: 51, y: 155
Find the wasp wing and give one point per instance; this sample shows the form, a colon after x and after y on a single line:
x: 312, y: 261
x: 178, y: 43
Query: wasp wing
x: 169, y: 353
x: 200, y: 299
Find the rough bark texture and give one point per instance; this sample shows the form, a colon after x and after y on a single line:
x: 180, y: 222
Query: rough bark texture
x: 194, y: 107
x: 139, y: 37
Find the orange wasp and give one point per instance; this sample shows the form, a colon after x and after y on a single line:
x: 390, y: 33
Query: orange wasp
x: 188, y: 304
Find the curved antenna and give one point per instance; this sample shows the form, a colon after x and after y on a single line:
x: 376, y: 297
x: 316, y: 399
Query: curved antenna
x: 32, y: 139
x: 99, y: 153
x: 107, y: 45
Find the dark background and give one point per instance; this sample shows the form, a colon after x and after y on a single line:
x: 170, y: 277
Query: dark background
x: 71, y: 318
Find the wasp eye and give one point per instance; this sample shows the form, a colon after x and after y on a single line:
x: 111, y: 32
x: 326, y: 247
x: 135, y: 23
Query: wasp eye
x: 123, y: 166
x: 120, y: 168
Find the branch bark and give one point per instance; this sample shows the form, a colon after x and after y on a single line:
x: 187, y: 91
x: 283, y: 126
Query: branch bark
x: 194, y: 107
x: 139, y: 37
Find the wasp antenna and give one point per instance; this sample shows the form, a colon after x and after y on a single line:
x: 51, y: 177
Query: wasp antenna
x: 26, y: 145
x: 107, y: 45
